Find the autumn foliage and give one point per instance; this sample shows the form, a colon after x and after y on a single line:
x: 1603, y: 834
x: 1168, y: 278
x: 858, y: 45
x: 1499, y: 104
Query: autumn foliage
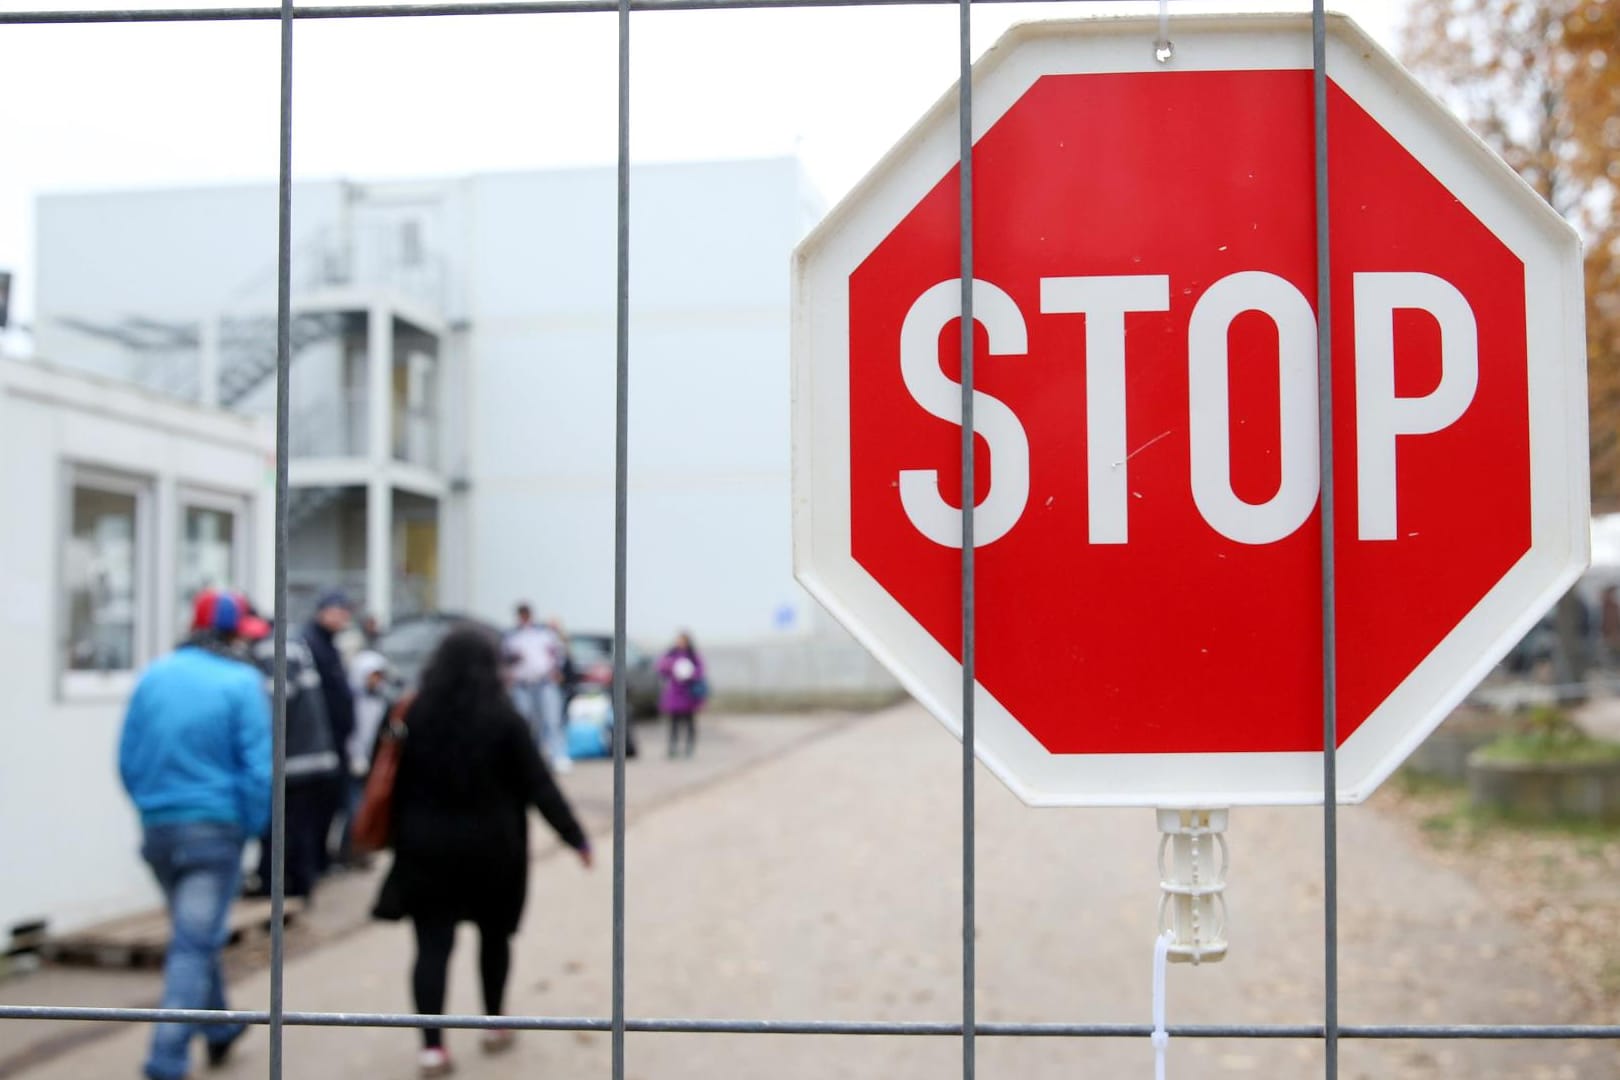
x: 1540, y: 81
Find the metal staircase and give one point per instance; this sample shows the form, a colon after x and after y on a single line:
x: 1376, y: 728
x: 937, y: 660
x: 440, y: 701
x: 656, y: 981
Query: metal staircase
x: 247, y: 348
x: 305, y: 503
x: 166, y: 352
x: 163, y: 354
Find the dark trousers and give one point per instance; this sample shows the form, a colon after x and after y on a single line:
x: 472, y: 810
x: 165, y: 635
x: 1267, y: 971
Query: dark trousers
x: 355, y: 787
x: 434, y: 941
x: 334, y: 800
x: 682, y: 721
x: 306, y: 802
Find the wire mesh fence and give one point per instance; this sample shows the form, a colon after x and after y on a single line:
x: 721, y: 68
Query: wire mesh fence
x: 966, y: 1027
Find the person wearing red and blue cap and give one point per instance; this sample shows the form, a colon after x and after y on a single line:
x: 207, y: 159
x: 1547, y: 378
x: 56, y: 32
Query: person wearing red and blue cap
x: 194, y: 756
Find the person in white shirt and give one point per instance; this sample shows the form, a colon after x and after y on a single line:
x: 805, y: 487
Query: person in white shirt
x: 535, y: 664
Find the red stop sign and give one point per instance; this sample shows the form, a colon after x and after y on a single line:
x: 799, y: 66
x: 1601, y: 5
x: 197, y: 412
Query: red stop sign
x: 1148, y: 512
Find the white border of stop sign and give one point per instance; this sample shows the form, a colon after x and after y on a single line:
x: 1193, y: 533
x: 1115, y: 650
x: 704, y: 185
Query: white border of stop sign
x: 1559, y: 494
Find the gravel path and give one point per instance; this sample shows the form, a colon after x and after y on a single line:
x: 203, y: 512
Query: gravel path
x: 825, y: 884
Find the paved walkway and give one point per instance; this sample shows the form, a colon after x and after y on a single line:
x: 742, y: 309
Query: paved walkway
x: 729, y: 744
x: 825, y: 883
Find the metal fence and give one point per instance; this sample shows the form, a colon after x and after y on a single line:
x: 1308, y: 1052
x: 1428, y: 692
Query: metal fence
x: 967, y: 1029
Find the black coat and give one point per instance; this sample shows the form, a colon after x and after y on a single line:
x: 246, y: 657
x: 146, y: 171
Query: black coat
x: 311, y: 753
x: 461, y: 825
x: 334, y: 683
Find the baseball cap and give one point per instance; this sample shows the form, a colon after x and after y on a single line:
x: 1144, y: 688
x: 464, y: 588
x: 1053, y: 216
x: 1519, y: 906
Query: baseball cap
x: 251, y: 626
x: 202, y: 610
x: 229, y: 613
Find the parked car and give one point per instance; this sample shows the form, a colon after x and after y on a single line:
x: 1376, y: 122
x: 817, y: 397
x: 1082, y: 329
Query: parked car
x: 409, y: 642
x: 592, y: 659
x: 1536, y: 648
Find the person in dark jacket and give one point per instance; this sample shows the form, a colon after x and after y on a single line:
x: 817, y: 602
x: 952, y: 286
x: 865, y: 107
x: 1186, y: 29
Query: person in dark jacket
x: 468, y: 773
x: 333, y: 613
x: 313, y: 765
x: 194, y: 755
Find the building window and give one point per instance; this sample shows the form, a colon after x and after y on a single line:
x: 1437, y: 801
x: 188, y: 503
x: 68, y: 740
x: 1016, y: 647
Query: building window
x: 209, y: 555
x: 410, y: 243
x: 102, y: 574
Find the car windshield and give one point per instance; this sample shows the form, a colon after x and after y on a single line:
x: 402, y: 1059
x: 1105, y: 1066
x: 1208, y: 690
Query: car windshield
x: 586, y: 649
x: 413, y: 638
x: 590, y: 649
x: 408, y: 645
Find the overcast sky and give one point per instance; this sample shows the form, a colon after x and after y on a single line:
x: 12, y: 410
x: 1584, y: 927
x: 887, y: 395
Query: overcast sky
x: 86, y: 107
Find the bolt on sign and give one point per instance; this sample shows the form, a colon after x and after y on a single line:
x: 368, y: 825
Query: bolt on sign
x: 1148, y: 504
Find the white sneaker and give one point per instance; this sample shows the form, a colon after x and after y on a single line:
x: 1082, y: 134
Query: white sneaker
x: 434, y: 1061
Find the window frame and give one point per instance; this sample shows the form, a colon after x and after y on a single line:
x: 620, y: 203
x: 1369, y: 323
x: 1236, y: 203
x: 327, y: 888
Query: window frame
x: 189, y: 497
x: 115, y: 684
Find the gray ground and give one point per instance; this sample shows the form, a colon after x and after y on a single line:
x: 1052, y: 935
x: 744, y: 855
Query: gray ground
x: 808, y: 868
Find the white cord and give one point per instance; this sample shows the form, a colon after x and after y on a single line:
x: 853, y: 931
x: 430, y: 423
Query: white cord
x: 1161, y: 1037
x: 1163, y: 50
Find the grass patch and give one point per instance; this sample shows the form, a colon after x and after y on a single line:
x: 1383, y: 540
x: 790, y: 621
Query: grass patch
x: 1439, y: 825
x: 1455, y: 821
x: 1410, y: 781
x: 1593, y: 834
x: 1537, y: 750
x: 1590, y: 847
x: 1549, y: 736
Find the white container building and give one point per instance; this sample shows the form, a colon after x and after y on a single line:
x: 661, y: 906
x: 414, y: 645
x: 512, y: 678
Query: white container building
x: 120, y: 505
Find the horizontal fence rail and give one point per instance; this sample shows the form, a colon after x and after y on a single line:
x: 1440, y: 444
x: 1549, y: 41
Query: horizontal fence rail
x: 519, y: 7
x: 925, y: 1028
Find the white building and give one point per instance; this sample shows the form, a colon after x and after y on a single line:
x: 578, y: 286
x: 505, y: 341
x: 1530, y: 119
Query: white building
x: 453, y: 386
x: 120, y: 505
x: 452, y: 446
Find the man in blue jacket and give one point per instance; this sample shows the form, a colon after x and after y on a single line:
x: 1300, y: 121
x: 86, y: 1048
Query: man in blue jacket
x: 195, y: 759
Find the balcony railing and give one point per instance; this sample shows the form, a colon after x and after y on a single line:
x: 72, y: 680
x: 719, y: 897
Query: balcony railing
x: 416, y: 437
x: 341, y: 427
x: 332, y: 427
x: 413, y: 594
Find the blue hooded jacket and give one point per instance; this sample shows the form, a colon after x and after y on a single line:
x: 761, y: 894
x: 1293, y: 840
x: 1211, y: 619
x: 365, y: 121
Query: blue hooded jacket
x: 196, y: 742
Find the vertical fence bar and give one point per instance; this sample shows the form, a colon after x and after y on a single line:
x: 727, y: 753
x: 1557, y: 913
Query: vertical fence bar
x: 969, y: 595
x: 278, y: 736
x: 621, y: 499
x: 1330, y: 636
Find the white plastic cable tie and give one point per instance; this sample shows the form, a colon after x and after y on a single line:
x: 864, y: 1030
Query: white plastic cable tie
x: 1161, y: 1037
x: 1163, y: 49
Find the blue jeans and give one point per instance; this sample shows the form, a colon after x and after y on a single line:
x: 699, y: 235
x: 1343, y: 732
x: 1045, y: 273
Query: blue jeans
x: 199, y: 867
x: 541, y: 704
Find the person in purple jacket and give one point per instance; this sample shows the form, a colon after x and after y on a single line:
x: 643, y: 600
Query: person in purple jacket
x: 685, y: 690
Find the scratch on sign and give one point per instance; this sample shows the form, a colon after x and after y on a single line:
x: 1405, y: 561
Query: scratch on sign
x: 1144, y: 446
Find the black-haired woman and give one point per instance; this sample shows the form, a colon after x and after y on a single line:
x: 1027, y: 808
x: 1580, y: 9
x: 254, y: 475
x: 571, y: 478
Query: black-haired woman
x: 468, y: 772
